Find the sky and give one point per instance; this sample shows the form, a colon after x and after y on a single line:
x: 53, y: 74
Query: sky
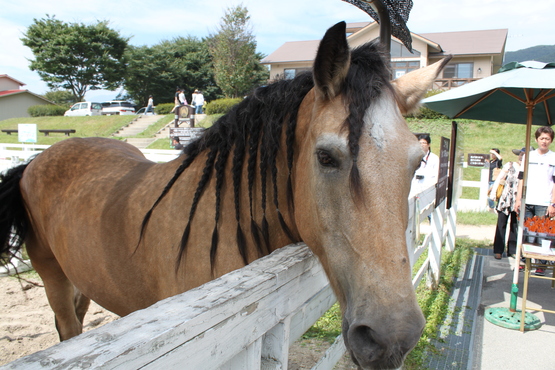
x: 274, y: 22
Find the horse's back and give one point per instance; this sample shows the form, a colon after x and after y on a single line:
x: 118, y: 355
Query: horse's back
x: 85, y: 199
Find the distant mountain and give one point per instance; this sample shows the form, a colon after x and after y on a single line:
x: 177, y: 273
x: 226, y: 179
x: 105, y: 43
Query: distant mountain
x: 540, y: 53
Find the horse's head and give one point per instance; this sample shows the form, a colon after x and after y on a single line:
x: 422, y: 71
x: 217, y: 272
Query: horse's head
x: 351, y: 183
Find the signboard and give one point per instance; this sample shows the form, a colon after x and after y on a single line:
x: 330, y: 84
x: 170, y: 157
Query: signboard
x: 185, y: 134
x: 27, y: 132
x: 477, y: 160
x: 441, y: 186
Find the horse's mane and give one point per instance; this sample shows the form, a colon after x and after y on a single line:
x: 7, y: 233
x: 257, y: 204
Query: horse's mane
x: 251, y: 132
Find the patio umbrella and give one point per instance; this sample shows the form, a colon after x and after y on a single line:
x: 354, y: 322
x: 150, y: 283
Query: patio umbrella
x: 522, y: 93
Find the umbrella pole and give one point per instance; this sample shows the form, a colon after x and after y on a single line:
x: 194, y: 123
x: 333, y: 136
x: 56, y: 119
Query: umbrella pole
x: 501, y: 316
x: 520, y: 235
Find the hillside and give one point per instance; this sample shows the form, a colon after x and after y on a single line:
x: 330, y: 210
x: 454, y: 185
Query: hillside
x: 541, y: 53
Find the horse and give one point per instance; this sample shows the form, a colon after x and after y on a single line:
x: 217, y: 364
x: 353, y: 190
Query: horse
x: 325, y: 158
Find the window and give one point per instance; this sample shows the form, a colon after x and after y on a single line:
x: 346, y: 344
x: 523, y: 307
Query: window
x: 400, y: 68
x: 290, y: 73
x: 459, y: 70
x: 398, y: 50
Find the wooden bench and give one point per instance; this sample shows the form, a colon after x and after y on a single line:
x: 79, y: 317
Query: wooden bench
x: 10, y: 131
x: 66, y: 132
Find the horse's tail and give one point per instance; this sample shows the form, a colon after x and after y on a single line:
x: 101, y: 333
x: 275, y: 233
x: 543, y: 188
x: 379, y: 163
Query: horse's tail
x: 13, y: 218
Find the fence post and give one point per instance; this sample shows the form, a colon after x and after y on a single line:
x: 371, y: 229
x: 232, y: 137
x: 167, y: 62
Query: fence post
x: 434, y: 252
x: 275, y: 346
x: 484, y: 187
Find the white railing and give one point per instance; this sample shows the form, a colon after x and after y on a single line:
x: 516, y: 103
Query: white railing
x: 243, y: 320
x: 15, y: 154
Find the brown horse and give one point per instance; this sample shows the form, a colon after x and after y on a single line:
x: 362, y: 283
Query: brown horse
x: 325, y: 158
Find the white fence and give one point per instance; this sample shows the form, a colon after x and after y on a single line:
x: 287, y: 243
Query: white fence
x: 246, y: 319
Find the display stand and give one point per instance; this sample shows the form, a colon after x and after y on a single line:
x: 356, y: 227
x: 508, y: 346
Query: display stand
x: 534, y: 252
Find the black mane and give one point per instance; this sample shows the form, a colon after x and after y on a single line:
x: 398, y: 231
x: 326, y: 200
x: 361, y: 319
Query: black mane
x: 251, y: 132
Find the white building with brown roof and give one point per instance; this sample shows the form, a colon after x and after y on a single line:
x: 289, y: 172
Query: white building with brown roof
x: 476, y: 54
x: 14, y: 101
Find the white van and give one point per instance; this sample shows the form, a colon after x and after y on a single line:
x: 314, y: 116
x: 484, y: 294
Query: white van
x: 84, y: 108
x: 117, y: 107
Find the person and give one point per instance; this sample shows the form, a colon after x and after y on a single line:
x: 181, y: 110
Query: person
x: 149, y: 104
x: 495, y: 162
x: 181, y: 97
x: 177, y: 143
x: 506, y: 212
x: 426, y: 175
x: 198, y: 101
x: 540, y: 194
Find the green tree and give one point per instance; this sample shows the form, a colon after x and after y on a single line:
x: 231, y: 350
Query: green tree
x: 62, y: 97
x: 76, y: 57
x: 182, y: 62
x: 237, y: 69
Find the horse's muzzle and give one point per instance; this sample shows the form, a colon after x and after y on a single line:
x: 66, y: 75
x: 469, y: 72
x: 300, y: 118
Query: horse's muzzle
x: 371, y: 350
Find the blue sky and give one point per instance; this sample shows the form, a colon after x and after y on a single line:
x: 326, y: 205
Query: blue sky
x: 274, y: 22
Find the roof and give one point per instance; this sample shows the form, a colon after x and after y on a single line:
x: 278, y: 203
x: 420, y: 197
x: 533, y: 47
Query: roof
x: 294, y: 51
x: 456, y: 43
x: 13, y: 79
x: 15, y: 92
x: 470, y: 42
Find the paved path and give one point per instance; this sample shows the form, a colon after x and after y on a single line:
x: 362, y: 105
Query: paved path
x: 488, y: 346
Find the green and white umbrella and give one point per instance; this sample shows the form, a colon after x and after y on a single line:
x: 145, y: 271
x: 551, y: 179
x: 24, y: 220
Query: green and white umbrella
x: 522, y: 93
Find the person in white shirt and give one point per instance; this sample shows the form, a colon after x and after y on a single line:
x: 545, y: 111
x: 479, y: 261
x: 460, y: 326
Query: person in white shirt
x: 540, y: 194
x: 426, y: 175
x: 149, y: 104
x: 198, y: 101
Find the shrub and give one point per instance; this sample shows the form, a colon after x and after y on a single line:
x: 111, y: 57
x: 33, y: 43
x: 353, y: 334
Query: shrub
x: 221, y: 106
x: 164, y: 108
x: 427, y: 112
x: 46, y: 110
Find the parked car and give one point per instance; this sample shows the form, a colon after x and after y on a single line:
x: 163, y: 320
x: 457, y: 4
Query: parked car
x: 149, y: 113
x: 84, y: 108
x: 117, y: 107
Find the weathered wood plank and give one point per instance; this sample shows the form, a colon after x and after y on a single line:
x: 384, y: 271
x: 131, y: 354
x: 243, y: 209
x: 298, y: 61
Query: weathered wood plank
x: 231, y: 312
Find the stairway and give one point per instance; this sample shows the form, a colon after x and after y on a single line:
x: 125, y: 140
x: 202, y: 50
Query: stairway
x: 137, y: 126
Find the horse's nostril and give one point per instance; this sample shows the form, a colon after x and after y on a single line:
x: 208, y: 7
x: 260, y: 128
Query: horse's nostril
x: 370, y: 351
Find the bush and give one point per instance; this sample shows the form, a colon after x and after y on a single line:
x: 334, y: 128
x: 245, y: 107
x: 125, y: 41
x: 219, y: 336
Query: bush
x: 427, y: 112
x: 46, y: 110
x: 221, y: 106
x: 164, y: 108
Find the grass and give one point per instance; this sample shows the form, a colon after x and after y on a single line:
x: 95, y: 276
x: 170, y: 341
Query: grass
x: 477, y: 218
x: 101, y: 126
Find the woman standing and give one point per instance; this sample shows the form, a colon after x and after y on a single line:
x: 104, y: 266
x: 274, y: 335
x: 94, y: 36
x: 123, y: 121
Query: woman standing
x: 506, y: 211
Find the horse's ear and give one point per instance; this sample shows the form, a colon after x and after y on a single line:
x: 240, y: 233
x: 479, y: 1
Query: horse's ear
x: 410, y: 88
x: 332, y: 62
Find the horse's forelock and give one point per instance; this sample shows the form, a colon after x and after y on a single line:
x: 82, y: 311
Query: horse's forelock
x: 368, y: 76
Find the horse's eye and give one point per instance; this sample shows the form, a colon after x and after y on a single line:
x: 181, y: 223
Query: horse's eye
x: 326, y: 159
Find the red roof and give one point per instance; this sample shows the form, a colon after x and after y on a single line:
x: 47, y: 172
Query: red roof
x: 10, y: 92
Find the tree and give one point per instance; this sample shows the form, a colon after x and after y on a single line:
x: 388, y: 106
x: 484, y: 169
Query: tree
x: 237, y: 69
x: 76, y: 57
x: 61, y: 97
x: 182, y: 62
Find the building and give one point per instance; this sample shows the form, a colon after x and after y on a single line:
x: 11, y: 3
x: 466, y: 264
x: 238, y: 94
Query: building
x: 15, y: 101
x: 476, y: 54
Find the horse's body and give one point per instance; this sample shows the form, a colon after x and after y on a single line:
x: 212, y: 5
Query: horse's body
x: 342, y: 174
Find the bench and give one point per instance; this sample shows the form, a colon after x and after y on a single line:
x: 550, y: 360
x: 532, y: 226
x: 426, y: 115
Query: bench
x: 10, y: 131
x: 66, y: 132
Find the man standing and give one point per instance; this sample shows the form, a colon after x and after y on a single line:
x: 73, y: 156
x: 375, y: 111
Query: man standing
x: 539, y: 187
x: 426, y: 175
